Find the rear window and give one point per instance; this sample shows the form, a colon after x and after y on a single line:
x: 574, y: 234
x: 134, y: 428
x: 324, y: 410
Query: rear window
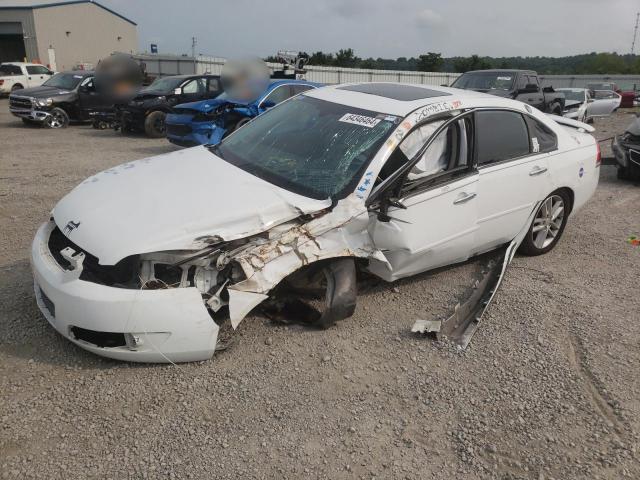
x: 9, y: 69
x: 542, y: 137
x: 501, y: 135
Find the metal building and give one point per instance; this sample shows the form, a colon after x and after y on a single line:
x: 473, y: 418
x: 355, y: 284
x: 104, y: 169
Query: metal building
x: 63, y: 34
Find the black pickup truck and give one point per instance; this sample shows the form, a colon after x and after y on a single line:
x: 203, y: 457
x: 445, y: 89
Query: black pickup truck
x: 64, y: 97
x: 146, y: 112
x: 521, y: 85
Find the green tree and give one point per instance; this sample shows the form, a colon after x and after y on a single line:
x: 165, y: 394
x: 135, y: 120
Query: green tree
x: 474, y: 62
x: 346, y: 58
x: 431, y: 62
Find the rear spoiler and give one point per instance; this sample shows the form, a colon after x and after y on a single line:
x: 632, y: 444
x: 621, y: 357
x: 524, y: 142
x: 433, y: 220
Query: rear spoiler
x: 567, y: 122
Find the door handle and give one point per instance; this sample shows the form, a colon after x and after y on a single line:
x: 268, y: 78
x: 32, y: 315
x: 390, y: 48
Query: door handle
x: 537, y: 171
x: 464, y: 197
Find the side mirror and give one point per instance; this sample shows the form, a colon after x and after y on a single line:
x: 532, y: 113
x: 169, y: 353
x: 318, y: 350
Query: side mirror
x: 591, y: 100
x: 177, y: 91
x: 268, y: 104
x: 83, y: 89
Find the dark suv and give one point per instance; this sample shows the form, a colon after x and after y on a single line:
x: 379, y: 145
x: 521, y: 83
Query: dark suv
x: 148, y: 109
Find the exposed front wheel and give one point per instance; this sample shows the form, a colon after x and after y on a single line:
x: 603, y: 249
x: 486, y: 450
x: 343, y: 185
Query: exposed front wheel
x: 57, y: 118
x: 548, y: 224
x: 154, y: 125
x: 318, y: 295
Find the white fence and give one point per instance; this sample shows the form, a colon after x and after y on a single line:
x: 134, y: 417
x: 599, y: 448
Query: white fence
x: 163, y: 65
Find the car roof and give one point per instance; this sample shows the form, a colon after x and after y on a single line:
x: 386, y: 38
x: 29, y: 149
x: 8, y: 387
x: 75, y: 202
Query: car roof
x: 392, y: 97
x: 503, y: 70
x: 284, y: 81
x: 84, y: 73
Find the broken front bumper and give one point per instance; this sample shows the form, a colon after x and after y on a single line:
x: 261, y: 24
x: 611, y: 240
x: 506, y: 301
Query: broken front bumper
x: 169, y: 325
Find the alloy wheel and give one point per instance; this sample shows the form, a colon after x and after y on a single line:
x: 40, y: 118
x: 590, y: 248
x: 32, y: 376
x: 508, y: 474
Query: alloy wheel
x: 548, y: 221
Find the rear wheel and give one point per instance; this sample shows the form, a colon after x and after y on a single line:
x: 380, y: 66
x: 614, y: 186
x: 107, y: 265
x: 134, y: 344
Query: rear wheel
x: 57, y: 118
x: 556, y: 110
x: 548, y: 224
x: 154, y: 125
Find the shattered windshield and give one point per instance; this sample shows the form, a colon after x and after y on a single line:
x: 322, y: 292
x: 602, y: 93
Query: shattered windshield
x: 485, y: 81
x: 66, y: 81
x: 309, y: 146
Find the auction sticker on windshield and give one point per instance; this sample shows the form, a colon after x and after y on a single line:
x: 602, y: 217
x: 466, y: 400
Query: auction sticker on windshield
x: 361, y: 120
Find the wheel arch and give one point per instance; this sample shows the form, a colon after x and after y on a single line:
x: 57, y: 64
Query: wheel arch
x: 570, y: 193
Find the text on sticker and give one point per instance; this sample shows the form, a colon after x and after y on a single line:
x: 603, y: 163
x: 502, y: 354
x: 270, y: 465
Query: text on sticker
x: 361, y: 120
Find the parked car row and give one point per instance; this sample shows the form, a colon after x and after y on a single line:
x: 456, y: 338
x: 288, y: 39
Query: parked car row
x: 188, y: 109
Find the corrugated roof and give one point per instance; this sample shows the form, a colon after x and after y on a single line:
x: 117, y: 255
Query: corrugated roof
x: 33, y: 4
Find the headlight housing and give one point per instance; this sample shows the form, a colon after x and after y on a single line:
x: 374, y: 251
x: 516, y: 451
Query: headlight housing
x: 44, y: 102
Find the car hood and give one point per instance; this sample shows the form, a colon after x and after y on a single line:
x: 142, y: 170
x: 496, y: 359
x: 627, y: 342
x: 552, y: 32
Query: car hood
x: 175, y: 201
x: 42, y: 91
x: 206, y: 106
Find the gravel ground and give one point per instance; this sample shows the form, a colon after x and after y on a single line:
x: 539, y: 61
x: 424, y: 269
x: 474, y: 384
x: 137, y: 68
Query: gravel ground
x: 548, y: 389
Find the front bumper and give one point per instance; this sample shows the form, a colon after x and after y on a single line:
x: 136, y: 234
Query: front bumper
x: 33, y: 115
x: 623, y: 155
x: 184, y: 132
x: 170, y: 325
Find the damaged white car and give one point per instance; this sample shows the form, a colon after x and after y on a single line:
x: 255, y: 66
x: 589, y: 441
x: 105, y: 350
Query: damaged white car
x: 143, y: 262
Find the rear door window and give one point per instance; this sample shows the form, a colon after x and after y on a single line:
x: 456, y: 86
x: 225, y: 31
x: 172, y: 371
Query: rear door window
x: 542, y: 138
x: 500, y: 135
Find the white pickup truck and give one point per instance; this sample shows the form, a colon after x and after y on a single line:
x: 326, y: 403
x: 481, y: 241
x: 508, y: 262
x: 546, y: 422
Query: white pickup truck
x: 18, y: 75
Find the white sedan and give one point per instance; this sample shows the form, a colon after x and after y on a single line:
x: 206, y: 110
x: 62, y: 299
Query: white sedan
x: 143, y: 262
x: 584, y: 105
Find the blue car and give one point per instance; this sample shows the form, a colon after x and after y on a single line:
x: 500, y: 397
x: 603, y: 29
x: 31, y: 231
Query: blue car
x: 208, y: 121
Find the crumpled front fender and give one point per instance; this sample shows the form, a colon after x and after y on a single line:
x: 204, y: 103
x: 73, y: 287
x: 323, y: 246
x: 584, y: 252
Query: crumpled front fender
x: 340, y: 233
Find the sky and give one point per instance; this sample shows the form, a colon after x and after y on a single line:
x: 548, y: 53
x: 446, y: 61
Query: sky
x: 384, y: 28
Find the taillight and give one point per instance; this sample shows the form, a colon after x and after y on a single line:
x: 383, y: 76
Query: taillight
x: 598, y: 155
x: 1, y: 82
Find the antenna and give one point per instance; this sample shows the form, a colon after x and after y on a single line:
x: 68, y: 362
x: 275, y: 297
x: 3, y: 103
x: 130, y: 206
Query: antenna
x: 635, y: 34
x: 194, y: 41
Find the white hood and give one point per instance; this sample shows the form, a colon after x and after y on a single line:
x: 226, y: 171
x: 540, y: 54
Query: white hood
x: 168, y: 202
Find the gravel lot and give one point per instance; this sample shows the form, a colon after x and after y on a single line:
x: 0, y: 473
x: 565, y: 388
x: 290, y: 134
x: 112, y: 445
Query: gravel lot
x: 548, y: 389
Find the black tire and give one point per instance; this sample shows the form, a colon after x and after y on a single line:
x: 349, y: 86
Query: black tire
x: 17, y: 86
x: 556, y: 110
x: 154, y: 125
x: 57, y: 118
x: 317, y: 296
x: 533, y: 243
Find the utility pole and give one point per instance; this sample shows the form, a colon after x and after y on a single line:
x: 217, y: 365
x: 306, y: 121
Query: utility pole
x: 194, y: 41
x: 635, y: 34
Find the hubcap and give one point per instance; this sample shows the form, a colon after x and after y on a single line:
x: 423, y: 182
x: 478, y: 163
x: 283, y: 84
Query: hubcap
x: 548, y: 221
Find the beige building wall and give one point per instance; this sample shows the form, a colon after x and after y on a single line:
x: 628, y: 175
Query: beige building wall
x: 94, y: 33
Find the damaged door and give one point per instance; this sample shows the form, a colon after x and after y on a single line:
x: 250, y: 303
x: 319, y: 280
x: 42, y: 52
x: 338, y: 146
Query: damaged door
x: 433, y: 220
